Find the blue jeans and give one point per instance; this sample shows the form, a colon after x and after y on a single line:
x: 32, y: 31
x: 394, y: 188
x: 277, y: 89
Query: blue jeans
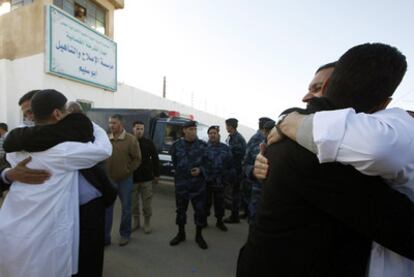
x: 124, y: 193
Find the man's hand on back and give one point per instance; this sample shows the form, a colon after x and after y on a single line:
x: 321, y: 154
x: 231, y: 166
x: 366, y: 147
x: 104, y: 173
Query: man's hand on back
x: 21, y: 173
x: 261, y: 165
x: 289, y: 127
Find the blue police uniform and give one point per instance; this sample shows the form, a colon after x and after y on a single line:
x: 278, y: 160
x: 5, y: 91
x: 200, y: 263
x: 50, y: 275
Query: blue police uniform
x: 185, y: 156
x: 221, y: 173
x: 252, y: 187
x: 237, y: 145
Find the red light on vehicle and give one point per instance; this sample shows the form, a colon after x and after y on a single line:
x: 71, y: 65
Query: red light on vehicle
x: 191, y: 117
x: 173, y: 114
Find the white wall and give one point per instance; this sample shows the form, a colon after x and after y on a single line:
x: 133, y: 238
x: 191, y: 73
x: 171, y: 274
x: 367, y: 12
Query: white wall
x: 21, y: 75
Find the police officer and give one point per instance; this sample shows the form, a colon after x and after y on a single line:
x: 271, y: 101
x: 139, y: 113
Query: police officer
x: 189, y: 159
x: 253, y: 187
x: 221, y: 171
x: 237, y: 146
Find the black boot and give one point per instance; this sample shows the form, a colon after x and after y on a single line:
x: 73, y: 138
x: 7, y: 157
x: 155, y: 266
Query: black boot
x: 234, y: 218
x: 179, y: 237
x: 200, y: 240
x: 221, y: 225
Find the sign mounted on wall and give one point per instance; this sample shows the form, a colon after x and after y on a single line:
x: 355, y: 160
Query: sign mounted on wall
x: 78, y: 52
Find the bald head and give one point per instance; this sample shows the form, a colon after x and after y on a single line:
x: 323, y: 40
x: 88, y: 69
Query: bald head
x: 74, y: 107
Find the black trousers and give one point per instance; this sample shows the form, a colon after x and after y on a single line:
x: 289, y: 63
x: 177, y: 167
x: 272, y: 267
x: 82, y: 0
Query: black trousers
x: 215, y: 194
x: 92, y: 235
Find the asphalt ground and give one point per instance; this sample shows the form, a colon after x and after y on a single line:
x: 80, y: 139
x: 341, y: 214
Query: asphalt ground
x: 149, y: 255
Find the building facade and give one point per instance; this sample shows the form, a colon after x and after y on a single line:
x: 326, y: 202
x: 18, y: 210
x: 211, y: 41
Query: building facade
x: 25, y: 54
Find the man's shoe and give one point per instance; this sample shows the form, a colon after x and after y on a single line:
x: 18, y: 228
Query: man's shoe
x: 123, y: 241
x: 201, y: 242
x: 177, y: 239
x: 232, y: 219
x: 221, y: 226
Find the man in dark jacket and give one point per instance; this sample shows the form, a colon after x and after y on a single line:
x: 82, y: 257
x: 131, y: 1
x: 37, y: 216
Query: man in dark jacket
x: 320, y: 219
x: 145, y: 176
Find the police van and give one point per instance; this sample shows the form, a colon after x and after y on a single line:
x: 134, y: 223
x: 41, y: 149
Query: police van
x: 161, y: 126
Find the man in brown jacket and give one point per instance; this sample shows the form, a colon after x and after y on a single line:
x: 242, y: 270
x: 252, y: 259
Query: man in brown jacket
x: 126, y: 157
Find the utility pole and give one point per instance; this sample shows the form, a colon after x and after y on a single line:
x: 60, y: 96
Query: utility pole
x: 164, y: 88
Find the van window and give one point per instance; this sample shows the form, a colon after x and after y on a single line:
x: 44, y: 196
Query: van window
x: 172, y: 133
x: 165, y: 135
x: 202, y: 132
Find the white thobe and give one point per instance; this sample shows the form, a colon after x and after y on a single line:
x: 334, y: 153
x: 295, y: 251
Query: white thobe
x: 379, y: 144
x: 39, y: 224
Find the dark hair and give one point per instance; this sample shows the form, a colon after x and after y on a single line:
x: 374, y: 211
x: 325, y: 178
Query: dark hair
x: 365, y: 76
x: 118, y: 116
x: 28, y: 96
x: 138, y: 122
x: 4, y: 126
x: 233, y: 122
x: 44, y: 102
x: 326, y: 66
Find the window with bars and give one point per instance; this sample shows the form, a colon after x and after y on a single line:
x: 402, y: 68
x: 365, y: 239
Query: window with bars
x: 15, y: 4
x: 86, y: 11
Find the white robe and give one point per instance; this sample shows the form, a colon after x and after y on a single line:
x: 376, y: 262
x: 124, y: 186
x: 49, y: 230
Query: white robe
x: 375, y: 144
x: 39, y: 224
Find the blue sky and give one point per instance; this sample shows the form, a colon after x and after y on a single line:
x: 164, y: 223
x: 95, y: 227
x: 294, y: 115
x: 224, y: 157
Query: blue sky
x: 248, y: 59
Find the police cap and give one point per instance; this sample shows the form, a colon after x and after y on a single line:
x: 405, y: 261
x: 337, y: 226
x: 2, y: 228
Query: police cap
x: 215, y: 127
x: 190, y: 123
x: 269, y: 125
x: 262, y: 121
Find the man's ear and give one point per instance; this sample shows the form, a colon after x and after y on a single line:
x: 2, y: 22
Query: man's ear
x: 57, y: 114
x: 324, y: 86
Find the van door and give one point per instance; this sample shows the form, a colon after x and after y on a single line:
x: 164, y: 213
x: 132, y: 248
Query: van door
x: 165, y: 134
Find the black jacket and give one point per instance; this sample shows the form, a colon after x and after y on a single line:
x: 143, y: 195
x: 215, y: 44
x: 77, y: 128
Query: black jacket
x: 320, y: 219
x: 149, y: 167
x: 74, y: 127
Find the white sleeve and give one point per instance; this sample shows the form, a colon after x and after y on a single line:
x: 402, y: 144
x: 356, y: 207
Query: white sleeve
x: 3, y: 176
x: 374, y: 144
x: 84, y: 155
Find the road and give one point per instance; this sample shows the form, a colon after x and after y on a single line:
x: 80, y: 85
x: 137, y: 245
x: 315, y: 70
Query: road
x: 152, y: 256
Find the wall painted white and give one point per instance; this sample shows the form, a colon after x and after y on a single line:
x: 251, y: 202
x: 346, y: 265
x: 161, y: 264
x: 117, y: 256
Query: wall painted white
x: 21, y: 75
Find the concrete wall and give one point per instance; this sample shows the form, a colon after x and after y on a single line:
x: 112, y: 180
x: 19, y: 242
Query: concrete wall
x: 21, y: 75
x: 22, y: 31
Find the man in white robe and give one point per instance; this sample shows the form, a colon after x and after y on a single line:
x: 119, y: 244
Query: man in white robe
x: 39, y: 225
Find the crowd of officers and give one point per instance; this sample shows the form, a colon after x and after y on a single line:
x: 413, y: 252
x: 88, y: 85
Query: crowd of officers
x: 204, y: 171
